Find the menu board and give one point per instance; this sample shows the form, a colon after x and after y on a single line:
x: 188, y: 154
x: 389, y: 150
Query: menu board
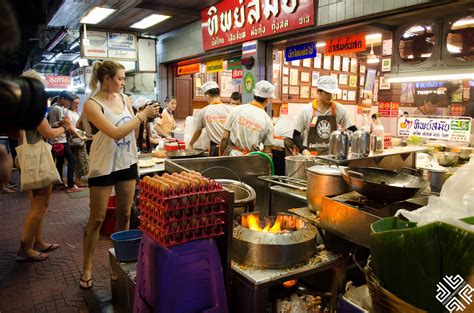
x: 435, y: 128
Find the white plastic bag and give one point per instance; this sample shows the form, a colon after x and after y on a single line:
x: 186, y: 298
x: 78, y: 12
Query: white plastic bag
x: 455, y: 201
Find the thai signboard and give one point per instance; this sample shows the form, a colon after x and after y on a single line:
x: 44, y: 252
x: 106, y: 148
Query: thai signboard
x: 189, y: 69
x: 342, y: 45
x: 435, y: 128
x: 299, y: 52
x: 109, y: 45
x: 233, y: 21
x: 214, y: 66
x: 58, y: 81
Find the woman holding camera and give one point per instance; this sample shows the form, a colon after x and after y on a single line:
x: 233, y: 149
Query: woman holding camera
x: 113, y: 157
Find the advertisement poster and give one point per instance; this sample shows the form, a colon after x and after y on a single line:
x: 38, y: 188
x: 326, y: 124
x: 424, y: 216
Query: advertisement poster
x: 435, y: 128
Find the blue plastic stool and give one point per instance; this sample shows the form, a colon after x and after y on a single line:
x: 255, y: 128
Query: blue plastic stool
x: 183, y: 279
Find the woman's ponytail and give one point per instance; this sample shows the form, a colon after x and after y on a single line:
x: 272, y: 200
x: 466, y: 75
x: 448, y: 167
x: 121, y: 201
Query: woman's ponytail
x: 93, y: 85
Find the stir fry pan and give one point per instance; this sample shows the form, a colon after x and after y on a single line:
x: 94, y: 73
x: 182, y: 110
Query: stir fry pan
x: 384, y: 185
x: 181, y: 154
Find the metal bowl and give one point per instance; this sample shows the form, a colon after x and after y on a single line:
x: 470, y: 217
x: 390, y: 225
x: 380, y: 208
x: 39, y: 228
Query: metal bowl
x: 446, y: 158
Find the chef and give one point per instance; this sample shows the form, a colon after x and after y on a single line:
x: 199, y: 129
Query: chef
x: 212, y: 117
x: 249, y: 126
x: 317, y: 120
x: 283, y: 129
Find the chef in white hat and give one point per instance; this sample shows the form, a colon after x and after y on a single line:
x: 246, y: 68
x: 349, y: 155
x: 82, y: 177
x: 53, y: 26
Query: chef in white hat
x: 317, y: 120
x: 212, y: 117
x: 248, y: 126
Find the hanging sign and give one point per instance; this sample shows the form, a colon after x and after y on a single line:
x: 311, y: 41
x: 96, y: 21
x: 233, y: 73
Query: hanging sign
x: 299, y: 52
x: 388, y: 109
x: 435, y: 128
x: 233, y: 21
x: 237, y: 74
x: 57, y: 81
x: 109, y: 45
x: 189, y: 69
x: 249, y: 82
x: 342, y: 45
x: 214, y: 66
x: 234, y: 64
x: 248, y: 62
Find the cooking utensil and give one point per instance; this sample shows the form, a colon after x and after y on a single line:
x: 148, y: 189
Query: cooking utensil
x: 384, y: 185
x: 339, y: 145
x: 446, y: 158
x: 360, y: 143
x: 323, y: 180
x: 244, y: 195
x: 296, y: 165
x: 436, y: 176
x: 181, y: 154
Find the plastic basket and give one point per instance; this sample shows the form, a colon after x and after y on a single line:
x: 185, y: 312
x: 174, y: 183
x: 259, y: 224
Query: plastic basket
x: 126, y: 244
x: 382, y: 299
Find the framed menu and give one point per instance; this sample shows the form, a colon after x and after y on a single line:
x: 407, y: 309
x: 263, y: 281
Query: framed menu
x: 361, y: 80
x: 345, y: 64
x: 334, y: 75
x: 295, y: 63
x: 353, y: 81
x: 344, y: 94
x: 306, y: 62
x: 362, y: 69
x: 342, y: 79
x: 383, y: 85
x: 284, y: 90
x: 351, y: 95
x: 285, y: 70
x: 285, y: 80
x: 314, y: 79
x: 293, y: 76
x: 317, y: 61
x: 294, y: 90
x: 336, y: 63
x: 353, y: 65
x: 304, y: 92
x: 304, y: 77
x: 327, y: 62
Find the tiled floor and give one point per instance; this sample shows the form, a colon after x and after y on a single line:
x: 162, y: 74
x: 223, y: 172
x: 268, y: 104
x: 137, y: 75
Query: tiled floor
x: 51, y: 285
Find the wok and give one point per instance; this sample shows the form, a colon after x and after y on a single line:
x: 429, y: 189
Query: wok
x: 384, y: 185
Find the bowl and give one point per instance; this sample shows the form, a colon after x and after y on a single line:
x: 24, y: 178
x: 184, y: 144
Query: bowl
x: 446, y: 158
x: 396, y: 141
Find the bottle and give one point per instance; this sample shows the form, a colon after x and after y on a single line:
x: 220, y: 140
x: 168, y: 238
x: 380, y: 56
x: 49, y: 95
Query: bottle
x: 378, y: 135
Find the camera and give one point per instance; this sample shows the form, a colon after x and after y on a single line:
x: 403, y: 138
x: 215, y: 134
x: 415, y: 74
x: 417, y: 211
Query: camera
x: 23, y: 102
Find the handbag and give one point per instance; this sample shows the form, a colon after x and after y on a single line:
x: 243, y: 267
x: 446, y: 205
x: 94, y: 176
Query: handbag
x: 76, y: 141
x: 58, y: 149
x: 37, y: 168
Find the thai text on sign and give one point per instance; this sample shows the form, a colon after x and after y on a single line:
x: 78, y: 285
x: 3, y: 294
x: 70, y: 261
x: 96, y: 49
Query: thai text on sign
x: 341, y: 45
x: 435, y: 128
x: 214, y: 66
x: 234, y: 64
x: 58, y: 81
x: 189, y: 69
x: 299, y: 52
x: 233, y: 21
x: 388, y: 109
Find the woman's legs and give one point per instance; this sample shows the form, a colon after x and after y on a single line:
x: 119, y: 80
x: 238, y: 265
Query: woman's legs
x: 124, y: 193
x: 99, y: 196
x: 39, y: 200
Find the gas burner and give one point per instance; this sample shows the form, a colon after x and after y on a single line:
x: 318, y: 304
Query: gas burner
x: 272, y: 242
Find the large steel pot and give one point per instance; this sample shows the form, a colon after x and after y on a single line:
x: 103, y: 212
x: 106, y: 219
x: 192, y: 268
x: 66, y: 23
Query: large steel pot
x: 384, y: 185
x: 244, y: 195
x: 296, y: 165
x: 436, y: 176
x: 323, y: 180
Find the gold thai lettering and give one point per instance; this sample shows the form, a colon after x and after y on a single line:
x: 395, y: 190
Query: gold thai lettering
x: 294, y: 53
x: 236, y: 36
x: 277, y: 25
x: 212, y: 21
x: 254, y: 11
x: 271, y: 7
x: 226, y: 21
x: 239, y: 15
x: 256, y: 31
x: 217, y: 41
x: 289, y: 8
x: 348, y: 45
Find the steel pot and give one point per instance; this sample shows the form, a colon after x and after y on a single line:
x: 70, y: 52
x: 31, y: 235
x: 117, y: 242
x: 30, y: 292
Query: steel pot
x: 296, y: 165
x: 435, y: 176
x: 323, y: 180
x: 339, y: 145
x: 244, y: 195
x: 360, y: 144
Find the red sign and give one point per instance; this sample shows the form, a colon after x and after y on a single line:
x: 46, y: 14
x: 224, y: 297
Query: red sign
x: 237, y: 74
x: 388, y: 109
x: 345, y: 44
x: 457, y: 109
x: 233, y: 21
x: 189, y: 69
x: 58, y: 81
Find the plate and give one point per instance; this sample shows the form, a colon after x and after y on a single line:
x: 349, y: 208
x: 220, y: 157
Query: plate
x: 145, y: 163
x: 156, y: 160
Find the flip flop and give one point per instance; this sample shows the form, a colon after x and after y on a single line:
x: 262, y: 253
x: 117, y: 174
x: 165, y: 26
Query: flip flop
x: 32, y: 258
x: 51, y: 247
x: 86, y: 284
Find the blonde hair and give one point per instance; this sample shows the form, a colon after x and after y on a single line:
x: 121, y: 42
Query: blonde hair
x: 100, y: 70
x: 35, y: 75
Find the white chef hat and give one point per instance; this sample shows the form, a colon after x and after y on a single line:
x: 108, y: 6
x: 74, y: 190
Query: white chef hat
x: 328, y: 84
x: 209, y: 85
x: 140, y: 102
x: 264, y: 89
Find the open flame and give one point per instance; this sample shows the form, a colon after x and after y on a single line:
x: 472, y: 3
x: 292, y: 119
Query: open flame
x: 282, y: 223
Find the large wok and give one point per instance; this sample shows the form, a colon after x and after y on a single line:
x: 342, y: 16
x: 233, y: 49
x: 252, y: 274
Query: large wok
x: 384, y: 185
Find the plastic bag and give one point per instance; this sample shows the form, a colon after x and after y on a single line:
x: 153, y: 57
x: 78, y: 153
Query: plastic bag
x: 455, y: 201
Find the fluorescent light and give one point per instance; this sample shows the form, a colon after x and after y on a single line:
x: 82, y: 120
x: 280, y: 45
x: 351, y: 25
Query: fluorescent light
x: 453, y: 48
x: 96, y: 15
x: 320, y: 44
x: 463, y: 22
x: 74, y: 45
x: 150, y: 21
x: 426, y: 55
x: 455, y: 74
x: 76, y: 60
x: 373, y: 61
x: 373, y: 36
x: 53, y: 59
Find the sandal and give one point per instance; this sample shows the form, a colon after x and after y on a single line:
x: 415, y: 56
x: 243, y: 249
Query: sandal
x: 85, y: 284
x: 32, y: 258
x: 51, y: 247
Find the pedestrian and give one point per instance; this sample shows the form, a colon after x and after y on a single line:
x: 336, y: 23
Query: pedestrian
x: 77, y: 142
x: 32, y: 245
x: 235, y: 98
x: 249, y: 126
x: 212, y: 117
x: 113, y: 157
x: 61, y: 148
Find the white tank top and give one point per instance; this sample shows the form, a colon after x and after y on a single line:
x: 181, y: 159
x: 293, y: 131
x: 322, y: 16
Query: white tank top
x: 108, y: 155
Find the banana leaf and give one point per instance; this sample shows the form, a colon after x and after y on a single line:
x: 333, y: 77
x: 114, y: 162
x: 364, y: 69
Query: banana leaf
x: 411, y: 260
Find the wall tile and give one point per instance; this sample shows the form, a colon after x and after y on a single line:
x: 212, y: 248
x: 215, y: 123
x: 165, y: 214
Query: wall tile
x: 340, y: 11
x: 378, y: 6
x: 323, y: 3
x: 388, y: 5
x: 358, y: 8
x: 369, y: 7
x: 350, y: 8
x: 399, y: 4
x: 332, y: 13
x: 323, y: 15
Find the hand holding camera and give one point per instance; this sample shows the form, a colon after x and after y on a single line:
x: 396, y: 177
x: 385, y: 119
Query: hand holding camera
x: 152, y: 110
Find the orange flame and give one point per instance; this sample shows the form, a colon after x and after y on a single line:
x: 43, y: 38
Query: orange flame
x: 290, y: 283
x: 253, y: 222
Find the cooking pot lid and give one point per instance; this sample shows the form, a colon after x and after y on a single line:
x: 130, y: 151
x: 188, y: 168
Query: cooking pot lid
x: 325, y: 170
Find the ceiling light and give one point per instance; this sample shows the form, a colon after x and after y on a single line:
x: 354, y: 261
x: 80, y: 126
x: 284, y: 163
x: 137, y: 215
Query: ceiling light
x: 456, y: 74
x: 463, y: 22
x: 373, y: 61
x: 453, y: 48
x: 58, y: 55
x: 96, y: 15
x: 74, y: 45
x: 150, y: 21
x: 320, y: 44
x: 377, y: 37
x: 76, y: 60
